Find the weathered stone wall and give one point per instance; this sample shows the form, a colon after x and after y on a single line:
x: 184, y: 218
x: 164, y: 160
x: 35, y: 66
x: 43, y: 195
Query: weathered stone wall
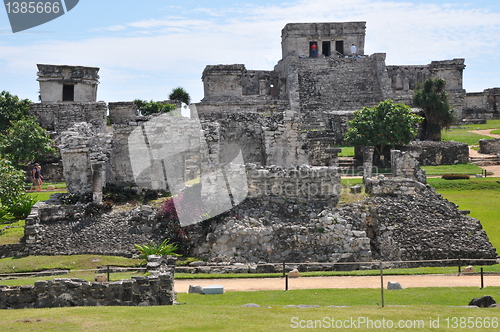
x: 84, y: 150
x: 56, y: 229
x: 404, y: 80
x: 406, y: 165
x: 409, y: 221
x: 59, y: 117
x: 296, y: 38
x: 439, y: 153
x: 157, y: 289
x: 482, y: 105
x: 331, y: 84
x: 82, y: 80
x: 423, y: 226
x: 276, y: 229
x: 489, y: 146
x: 303, y: 182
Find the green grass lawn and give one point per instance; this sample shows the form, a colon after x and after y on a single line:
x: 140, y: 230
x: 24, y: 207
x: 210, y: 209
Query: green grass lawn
x: 415, y: 308
x: 479, y: 195
x: 470, y: 169
x: 463, y: 135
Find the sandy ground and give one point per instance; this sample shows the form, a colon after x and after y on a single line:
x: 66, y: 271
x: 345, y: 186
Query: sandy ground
x: 254, y: 284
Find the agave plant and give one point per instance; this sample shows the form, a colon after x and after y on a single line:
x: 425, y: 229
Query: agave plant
x: 151, y: 248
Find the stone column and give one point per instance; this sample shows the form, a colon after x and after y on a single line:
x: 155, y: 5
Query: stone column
x: 367, y: 162
x: 97, y: 181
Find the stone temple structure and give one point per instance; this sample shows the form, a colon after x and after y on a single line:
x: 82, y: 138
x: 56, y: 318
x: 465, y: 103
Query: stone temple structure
x: 282, y: 127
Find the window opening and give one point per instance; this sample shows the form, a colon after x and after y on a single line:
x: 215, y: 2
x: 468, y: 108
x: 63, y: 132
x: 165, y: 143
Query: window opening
x: 339, y: 47
x: 68, y: 92
x: 326, y: 48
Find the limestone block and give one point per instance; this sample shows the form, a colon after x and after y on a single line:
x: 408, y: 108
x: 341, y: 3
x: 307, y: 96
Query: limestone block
x: 294, y: 273
x: 468, y: 269
x: 195, y: 289
x: 394, y: 285
x: 100, y: 278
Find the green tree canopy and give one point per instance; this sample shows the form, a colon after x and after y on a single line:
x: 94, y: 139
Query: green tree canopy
x: 11, y: 109
x: 153, y: 107
x: 180, y: 94
x: 24, y: 141
x: 12, y: 183
x: 433, y: 99
x: 382, y: 125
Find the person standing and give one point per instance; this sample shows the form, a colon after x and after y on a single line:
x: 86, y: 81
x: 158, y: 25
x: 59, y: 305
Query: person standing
x: 353, y: 50
x: 314, y: 51
x: 36, y: 177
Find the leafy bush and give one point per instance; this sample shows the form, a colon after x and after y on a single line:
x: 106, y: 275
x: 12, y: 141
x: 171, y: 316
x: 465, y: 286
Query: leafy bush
x: 21, y: 208
x: 5, y: 216
x: 119, y: 193
x: 455, y: 176
x: 72, y: 199
x: 153, y: 107
x: 11, y: 183
x: 162, y: 249
x: 190, y: 203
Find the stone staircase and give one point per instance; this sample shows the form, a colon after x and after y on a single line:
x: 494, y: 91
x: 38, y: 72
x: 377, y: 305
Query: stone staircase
x: 485, y: 160
x: 350, y: 166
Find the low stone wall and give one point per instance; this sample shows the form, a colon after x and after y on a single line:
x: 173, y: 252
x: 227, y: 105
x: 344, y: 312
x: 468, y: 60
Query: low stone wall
x: 157, y: 289
x: 439, y: 153
x: 302, y: 182
x: 277, y: 230
x: 56, y: 229
x: 399, y: 186
x: 489, y: 146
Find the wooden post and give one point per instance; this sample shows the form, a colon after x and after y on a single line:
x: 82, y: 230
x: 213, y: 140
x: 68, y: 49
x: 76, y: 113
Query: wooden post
x: 108, y: 272
x: 286, y: 283
x: 382, y: 284
x: 284, y: 274
x: 482, y: 278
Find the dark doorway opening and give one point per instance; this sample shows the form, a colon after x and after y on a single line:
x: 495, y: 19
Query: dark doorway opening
x: 313, y: 49
x: 68, y: 92
x: 326, y: 50
x: 339, y: 47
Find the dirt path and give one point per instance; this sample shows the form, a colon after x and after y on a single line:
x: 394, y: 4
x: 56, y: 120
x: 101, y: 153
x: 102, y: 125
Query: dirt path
x: 485, y: 132
x: 254, y: 284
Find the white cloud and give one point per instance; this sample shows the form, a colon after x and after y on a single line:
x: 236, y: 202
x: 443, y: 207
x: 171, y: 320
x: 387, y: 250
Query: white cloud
x: 148, y: 55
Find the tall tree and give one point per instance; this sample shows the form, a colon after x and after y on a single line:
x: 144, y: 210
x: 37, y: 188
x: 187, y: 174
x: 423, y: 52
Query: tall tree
x: 11, y: 109
x: 387, y: 124
x: 433, y: 99
x: 24, y: 141
x: 181, y: 95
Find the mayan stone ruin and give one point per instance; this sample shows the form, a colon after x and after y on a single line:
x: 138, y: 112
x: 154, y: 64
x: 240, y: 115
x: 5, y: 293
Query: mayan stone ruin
x: 263, y: 146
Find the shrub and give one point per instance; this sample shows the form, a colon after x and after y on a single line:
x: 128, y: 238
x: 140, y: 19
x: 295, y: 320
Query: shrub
x: 21, y: 208
x: 5, y: 216
x: 72, y: 199
x: 11, y: 183
x: 119, y: 193
x: 455, y: 176
x: 162, y: 249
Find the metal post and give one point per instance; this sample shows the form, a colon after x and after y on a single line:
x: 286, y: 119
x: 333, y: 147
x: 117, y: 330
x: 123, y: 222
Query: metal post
x: 459, y: 267
x: 108, y: 272
x: 284, y: 269
x: 286, y: 283
x: 482, y: 278
x: 382, y: 284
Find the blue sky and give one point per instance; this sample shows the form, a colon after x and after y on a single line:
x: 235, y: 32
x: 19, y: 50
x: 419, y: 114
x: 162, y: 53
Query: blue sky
x: 147, y: 48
